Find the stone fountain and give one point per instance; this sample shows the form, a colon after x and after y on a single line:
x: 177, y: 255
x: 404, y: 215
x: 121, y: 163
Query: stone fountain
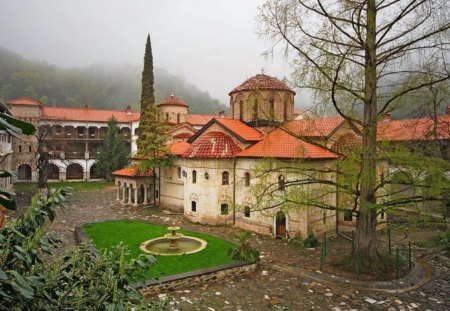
x: 173, y: 243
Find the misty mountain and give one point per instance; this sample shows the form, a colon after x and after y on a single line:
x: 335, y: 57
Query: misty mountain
x: 99, y: 86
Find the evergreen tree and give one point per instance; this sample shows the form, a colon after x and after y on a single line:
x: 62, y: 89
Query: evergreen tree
x: 147, y: 93
x: 152, y: 141
x: 113, y: 154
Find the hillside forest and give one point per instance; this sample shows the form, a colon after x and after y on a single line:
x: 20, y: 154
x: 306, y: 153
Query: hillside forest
x: 99, y: 86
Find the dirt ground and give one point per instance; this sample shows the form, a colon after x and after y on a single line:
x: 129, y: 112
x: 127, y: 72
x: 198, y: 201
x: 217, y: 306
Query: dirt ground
x: 268, y: 288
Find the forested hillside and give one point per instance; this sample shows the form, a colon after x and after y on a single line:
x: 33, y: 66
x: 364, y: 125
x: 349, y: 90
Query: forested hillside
x: 100, y: 86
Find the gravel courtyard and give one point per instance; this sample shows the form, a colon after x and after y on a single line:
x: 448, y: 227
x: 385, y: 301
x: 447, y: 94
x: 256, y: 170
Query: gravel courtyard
x: 268, y: 288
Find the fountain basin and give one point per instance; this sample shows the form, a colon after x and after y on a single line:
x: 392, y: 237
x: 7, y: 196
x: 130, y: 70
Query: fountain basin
x: 162, y: 246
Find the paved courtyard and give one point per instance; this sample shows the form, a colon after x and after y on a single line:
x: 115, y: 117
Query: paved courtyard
x: 268, y: 288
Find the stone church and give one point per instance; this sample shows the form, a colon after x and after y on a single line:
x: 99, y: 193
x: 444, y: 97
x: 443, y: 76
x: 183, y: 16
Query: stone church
x: 216, y: 166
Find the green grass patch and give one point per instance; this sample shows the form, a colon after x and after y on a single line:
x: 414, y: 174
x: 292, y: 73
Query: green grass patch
x: 133, y: 233
x: 75, y: 185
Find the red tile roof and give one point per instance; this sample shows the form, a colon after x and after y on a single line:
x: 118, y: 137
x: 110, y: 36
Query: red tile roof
x: 23, y: 101
x: 200, y: 119
x: 316, y: 127
x: 347, y: 143
x: 183, y: 135
x: 87, y: 114
x: 413, y: 129
x: 172, y: 100
x: 262, y: 82
x: 241, y: 129
x: 213, y: 145
x: 179, y: 147
x: 131, y: 172
x: 279, y: 144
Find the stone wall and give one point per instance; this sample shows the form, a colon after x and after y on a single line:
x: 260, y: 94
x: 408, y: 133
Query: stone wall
x: 197, y: 278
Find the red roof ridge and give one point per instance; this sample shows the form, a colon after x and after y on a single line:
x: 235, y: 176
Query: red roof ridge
x: 24, y: 101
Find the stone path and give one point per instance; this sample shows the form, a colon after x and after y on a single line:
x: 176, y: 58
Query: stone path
x: 269, y: 288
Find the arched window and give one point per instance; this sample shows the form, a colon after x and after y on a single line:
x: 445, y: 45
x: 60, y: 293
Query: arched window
x: 241, y: 110
x: 194, y: 177
x: 285, y: 110
x: 272, y: 109
x: 247, y: 211
x: 178, y: 118
x: 225, y: 178
x: 255, y: 109
x: 247, y: 179
x: 224, y: 209
x: 179, y: 172
x: 193, y: 206
x: 167, y: 116
x: 281, y: 183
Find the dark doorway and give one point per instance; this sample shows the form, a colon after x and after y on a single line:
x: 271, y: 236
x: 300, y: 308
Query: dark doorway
x: 24, y: 172
x: 74, y: 171
x: 52, y: 171
x: 92, y: 173
x: 280, y: 228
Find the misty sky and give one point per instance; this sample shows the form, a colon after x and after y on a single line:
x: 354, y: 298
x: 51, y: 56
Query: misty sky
x: 211, y: 43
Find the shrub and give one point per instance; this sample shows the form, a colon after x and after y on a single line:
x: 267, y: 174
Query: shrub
x: 311, y: 241
x: 244, y: 251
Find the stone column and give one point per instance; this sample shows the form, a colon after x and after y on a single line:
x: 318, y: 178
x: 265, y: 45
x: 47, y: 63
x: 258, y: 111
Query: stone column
x: 136, y: 197
x: 124, y: 195
x: 118, y: 193
x: 145, y: 196
x: 129, y: 194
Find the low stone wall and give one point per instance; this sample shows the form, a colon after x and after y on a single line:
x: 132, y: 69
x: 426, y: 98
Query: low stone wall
x: 198, y: 277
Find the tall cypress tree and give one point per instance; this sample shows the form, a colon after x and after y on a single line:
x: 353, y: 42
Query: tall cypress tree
x: 147, y: 93
x: 152, y: 140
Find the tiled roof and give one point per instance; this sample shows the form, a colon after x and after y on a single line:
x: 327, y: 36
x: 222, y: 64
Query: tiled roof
x: 131, y: 172
x: 172, y: 100
x: 279, y: 144
x: 413, y: 129
x: 23, y: 101
x: 200, y: 119
x: 241, y: 129
x: 262, y: 82
x: 213, y: 145
x: 316, y: 127
x: 347, y: 143
x: 179, y: 147
x: 183, y: 135
x: 86, y: 114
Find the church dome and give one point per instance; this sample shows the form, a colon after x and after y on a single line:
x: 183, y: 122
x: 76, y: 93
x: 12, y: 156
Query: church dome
x: 172, y: 100
x: 262, y: 82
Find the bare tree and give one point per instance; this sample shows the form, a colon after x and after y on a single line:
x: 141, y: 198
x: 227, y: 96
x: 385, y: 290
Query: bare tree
x: 352, y: 53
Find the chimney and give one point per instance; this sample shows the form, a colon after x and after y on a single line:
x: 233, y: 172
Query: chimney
x: 447, y: 110
x: 128, y: 110
x: 222, y: 114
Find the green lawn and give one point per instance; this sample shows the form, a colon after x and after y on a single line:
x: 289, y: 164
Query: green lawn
x: 75, y: 185
x: 133, y: 233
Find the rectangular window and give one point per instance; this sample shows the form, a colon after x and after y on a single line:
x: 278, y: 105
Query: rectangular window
x: 224, y: 209
x: 156, y: 194
x: 193, y: 206
x: 20, y: 148
x: 29, y: 149
x: 348, y: 215
x: 247, y: 212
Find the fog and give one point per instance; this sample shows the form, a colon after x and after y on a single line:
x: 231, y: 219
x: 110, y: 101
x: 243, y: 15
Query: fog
x: 211, y: 43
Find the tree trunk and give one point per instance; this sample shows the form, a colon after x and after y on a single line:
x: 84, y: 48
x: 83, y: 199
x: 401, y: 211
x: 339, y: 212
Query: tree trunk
x: 365, y: 244
x: 42, y: 170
